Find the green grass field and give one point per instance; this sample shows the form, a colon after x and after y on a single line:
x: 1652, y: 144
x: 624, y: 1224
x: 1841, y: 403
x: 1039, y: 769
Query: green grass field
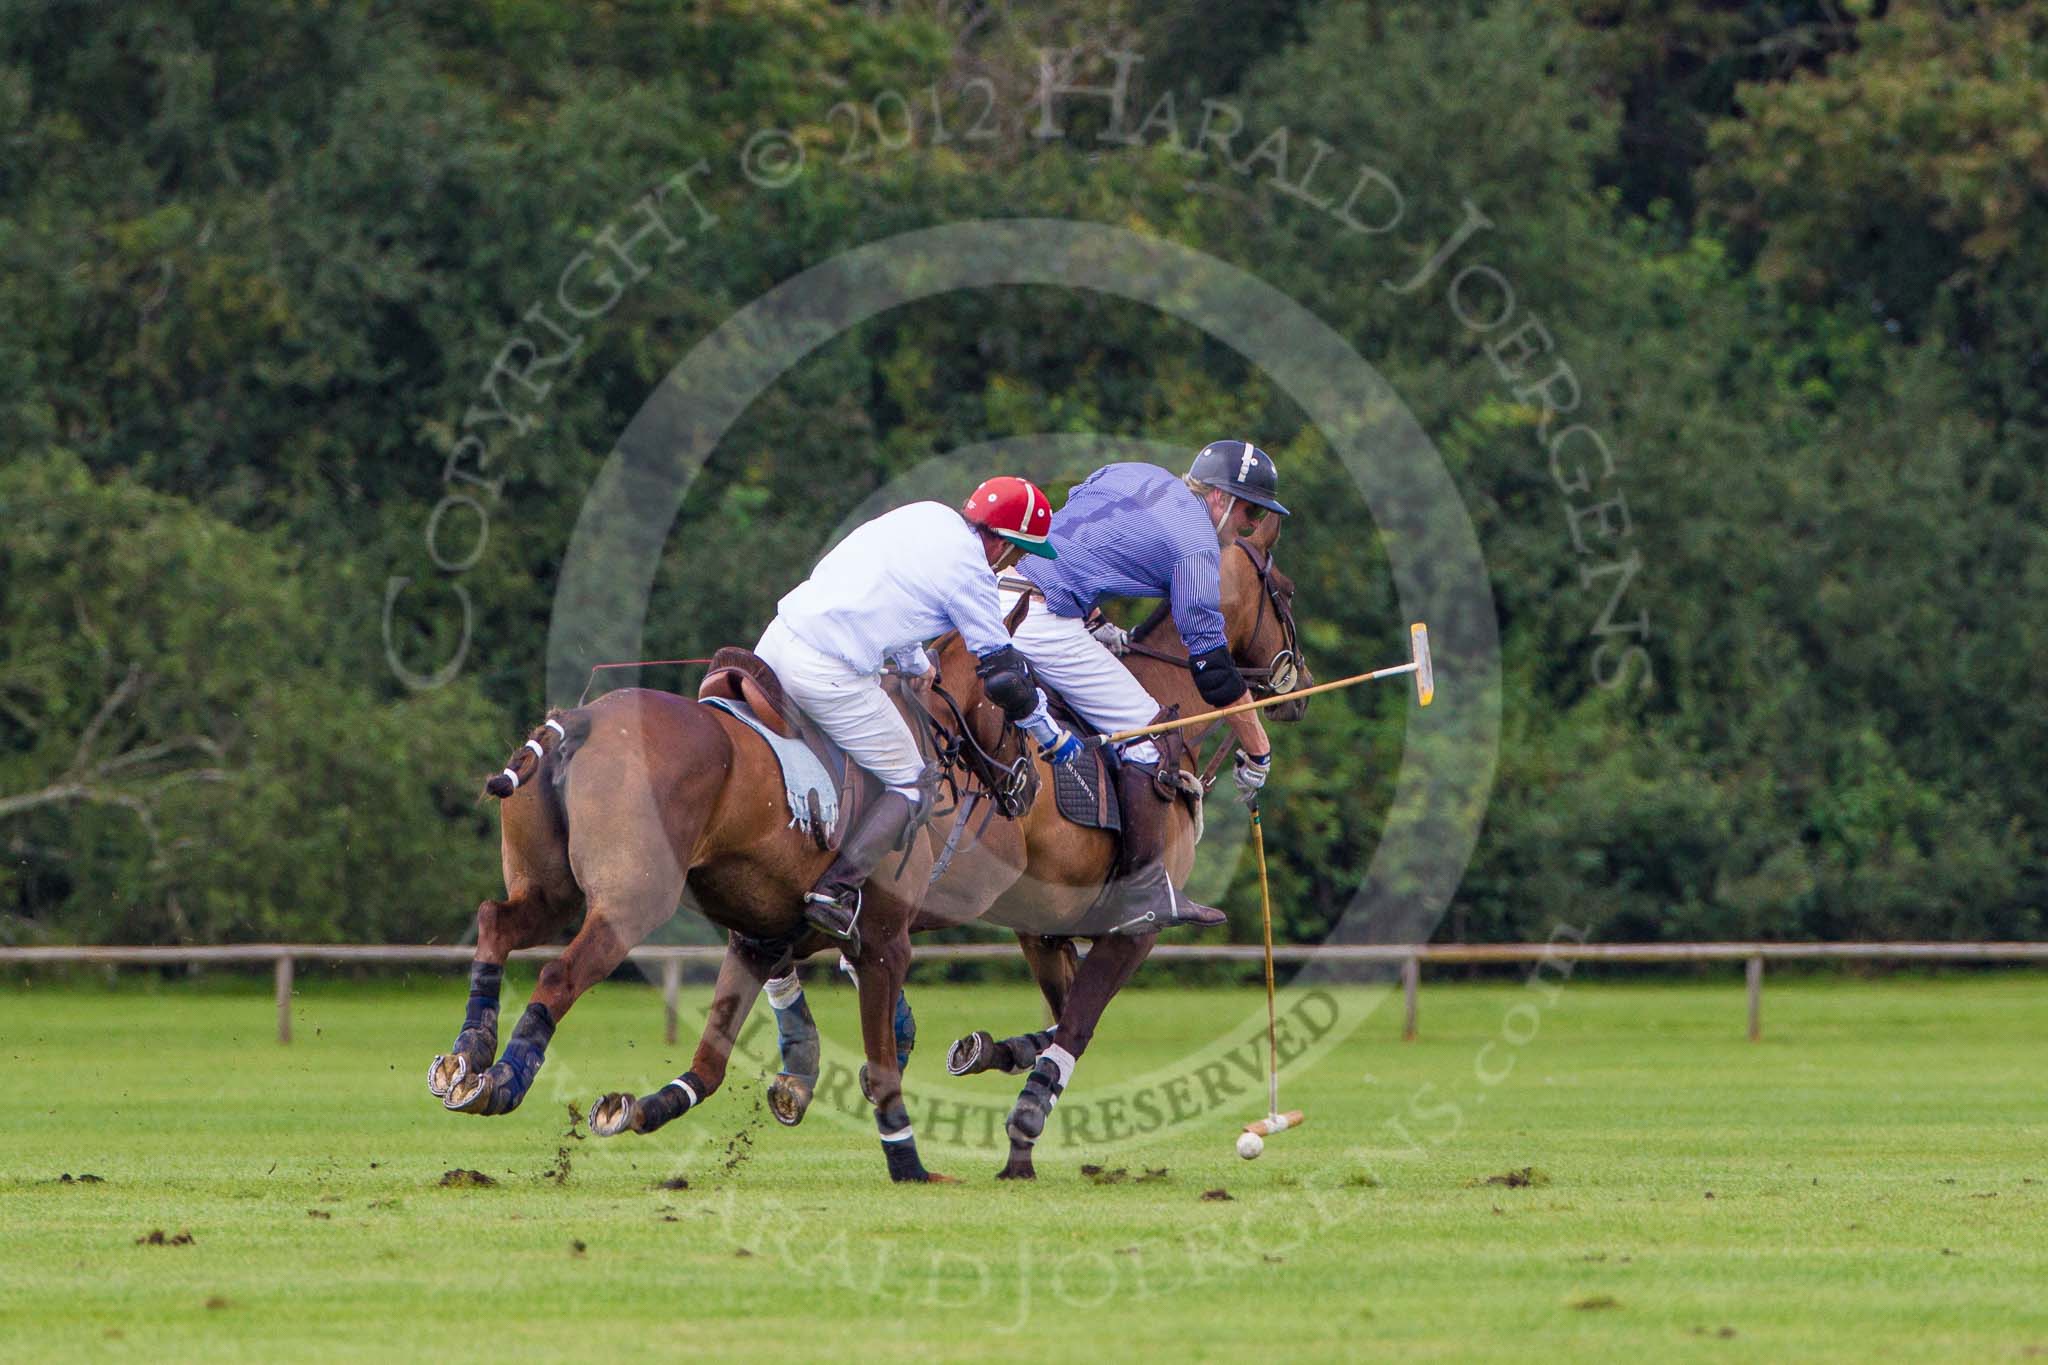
x: 1868, y: 1182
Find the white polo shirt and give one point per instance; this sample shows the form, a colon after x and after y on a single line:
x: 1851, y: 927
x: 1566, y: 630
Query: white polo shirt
x: 896, y: 582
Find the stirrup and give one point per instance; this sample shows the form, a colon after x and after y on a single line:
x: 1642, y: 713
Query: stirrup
x: 829, y: 915
x: 1183, y: 913
x: 1151, y: 923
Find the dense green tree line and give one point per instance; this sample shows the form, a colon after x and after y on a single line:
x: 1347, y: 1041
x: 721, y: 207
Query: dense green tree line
x: 262, y: 265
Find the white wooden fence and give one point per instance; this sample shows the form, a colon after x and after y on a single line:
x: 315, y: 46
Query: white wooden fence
x: 1410, y: 958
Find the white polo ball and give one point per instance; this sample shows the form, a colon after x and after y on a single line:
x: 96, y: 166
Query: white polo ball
x: 1250, y: 1145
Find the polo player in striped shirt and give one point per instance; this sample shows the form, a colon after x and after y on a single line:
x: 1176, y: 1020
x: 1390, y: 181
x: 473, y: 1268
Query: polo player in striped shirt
x: 1136, y: 530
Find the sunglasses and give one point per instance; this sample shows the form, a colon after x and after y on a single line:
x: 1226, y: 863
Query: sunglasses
x: 1251, y: 511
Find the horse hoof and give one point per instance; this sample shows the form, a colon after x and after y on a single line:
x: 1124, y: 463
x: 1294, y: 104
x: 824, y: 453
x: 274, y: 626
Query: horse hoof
x: 972, y: 1055
x: 446, y: 1073
x: 788, y: 1097
x: 470, y: 1095
x: 613, y: 1114
x: 496, y: 1090
x: 1018, y: 1169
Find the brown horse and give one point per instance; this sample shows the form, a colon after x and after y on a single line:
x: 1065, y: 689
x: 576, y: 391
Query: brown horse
x: 612, y: 811
x: 1042, y: 875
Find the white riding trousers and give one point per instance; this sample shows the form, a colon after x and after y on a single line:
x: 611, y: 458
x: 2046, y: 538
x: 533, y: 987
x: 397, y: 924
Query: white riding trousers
x: 1092, y: 680
x: 849, y: 706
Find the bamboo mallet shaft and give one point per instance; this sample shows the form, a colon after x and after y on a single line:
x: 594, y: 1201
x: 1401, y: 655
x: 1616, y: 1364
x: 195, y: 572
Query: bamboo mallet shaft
x: 1420, y: 663
x: 1266, y: 922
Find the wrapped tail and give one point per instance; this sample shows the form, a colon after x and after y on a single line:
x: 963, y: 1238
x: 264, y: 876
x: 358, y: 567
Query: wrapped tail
x: 558, y: 737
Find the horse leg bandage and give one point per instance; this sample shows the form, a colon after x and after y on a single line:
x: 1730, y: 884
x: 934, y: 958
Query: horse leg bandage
x: 1022, y: 1052
x: 906, y: 1031
x: 672, y: 1101
x: 485, y: 979
x: 1042, y: 1090
x: 899, y: 1143
x: 527, y: 1050
x: 784, y: 991
x: 796, y: 1031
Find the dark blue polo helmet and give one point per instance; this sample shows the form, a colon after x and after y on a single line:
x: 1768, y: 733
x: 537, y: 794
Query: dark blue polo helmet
x: 1239, y: 468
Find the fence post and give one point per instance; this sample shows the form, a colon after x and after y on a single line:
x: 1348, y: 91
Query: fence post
x: 1756, y: 998
x: 671, y: 991
x: 284, y: 1000
x: 1411, y: 986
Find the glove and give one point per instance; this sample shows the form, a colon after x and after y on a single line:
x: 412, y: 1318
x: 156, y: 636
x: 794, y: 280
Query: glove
x: 1113, y: 637
x: 1252, y: 771
x: 1055, y: 743
x: 1064, y: 749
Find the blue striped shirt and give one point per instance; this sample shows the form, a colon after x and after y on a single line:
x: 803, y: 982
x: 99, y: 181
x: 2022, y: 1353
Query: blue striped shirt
x: 1134, y: 530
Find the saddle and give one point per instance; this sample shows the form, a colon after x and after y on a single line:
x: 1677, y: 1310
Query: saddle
x: 741, y: 675
x: 740, y: 683
x: 1085, y: 790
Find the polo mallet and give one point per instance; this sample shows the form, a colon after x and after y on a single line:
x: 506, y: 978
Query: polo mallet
x: 1418, y: 664
x: 1275, y: 1121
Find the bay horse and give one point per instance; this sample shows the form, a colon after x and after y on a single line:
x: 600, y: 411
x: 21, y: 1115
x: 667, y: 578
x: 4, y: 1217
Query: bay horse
x: 612, y: 811
x: 1039, y: 875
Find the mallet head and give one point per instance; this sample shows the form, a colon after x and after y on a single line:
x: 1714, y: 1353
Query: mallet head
x: 1275, y: 1123
x: 1425, y: 676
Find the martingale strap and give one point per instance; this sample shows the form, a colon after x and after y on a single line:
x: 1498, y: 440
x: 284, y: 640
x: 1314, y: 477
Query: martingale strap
x: 945, y: 858
x: 1007, y: 784
x: 1214, y: 767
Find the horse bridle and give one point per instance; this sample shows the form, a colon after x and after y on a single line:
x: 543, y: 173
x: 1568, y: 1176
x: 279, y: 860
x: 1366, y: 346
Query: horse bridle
x: 960, y: 754
x: 1283, y: 672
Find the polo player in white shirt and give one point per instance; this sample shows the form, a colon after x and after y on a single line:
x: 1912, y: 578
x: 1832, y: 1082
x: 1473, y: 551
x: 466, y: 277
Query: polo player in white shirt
x: 877, y: 597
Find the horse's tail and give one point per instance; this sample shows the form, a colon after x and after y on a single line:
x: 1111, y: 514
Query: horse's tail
x: 551, y: 745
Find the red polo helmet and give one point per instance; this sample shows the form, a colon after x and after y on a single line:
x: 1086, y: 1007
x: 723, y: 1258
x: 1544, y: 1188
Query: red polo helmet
x: 1015, y: 509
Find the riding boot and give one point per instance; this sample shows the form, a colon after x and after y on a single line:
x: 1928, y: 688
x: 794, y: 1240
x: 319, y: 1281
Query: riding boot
x: 1141, y: 898
x: 833, y: 905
